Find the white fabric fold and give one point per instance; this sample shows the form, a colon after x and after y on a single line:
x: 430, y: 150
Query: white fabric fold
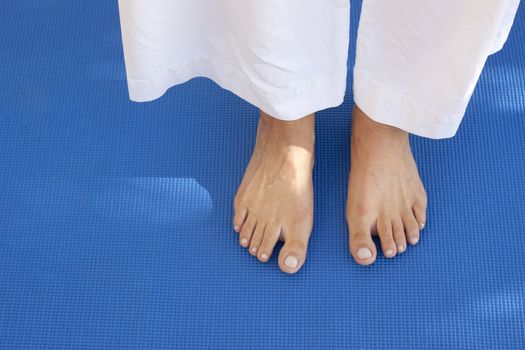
x: 417, y: 62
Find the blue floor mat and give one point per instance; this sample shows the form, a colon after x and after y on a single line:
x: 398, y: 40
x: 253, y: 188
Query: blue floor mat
x: 115, y: 217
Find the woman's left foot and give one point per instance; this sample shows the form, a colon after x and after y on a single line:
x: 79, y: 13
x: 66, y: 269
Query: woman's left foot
x: 385, y: 194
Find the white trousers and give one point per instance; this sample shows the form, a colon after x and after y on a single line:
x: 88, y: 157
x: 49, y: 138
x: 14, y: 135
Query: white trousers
x: 417, y: 61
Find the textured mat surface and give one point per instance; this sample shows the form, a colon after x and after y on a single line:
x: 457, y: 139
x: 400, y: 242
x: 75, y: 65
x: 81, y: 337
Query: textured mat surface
x: 115, y: 217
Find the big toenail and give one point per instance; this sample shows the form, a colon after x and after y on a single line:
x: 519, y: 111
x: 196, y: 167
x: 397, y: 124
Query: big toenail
x: 291, y: 261
x: 264, y: 256
x: 389, y: 252
x: 414, y: 240
x: 364, y: 253
x: 244, y: 241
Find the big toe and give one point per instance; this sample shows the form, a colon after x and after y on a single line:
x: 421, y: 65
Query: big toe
x: 293, y: 255
x: 362, y: 247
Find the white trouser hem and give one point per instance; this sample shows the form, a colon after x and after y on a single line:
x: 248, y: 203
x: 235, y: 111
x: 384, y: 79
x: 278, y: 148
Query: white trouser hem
x: 393, y: 108
x: 292, y: 102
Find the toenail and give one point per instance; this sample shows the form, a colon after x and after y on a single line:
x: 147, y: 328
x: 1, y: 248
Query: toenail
x: 400, y: 247
x: 253, y: 249
x: 389, y: 252
x: 264, y: 256
x: 364, y: 253
x: 414, y: 240
x: 291, y: 261
x: 421, y: 225
x: 236, y: 228
x: 244, y: 241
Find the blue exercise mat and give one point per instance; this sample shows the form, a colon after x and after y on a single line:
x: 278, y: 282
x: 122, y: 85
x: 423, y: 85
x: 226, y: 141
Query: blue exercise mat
x: 115, y: 217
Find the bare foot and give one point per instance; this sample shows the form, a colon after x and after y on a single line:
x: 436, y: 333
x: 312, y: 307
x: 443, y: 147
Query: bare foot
x: 385, y: 194
x: 275, y: 199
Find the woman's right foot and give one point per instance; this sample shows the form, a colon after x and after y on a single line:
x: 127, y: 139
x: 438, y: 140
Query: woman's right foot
x: 275, y: 199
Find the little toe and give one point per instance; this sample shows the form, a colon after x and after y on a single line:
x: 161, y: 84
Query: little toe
x: 411, y: 228
x: 247, y: 230
x: 362, y: 247
x: 388, y: 245
x: 239, y: 218
x: 420, y: 214
x: 271, y: 236
x: 399, y: 235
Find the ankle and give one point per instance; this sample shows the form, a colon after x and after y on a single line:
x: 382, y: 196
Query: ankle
x: 299, y: 133
x: 368, y: 130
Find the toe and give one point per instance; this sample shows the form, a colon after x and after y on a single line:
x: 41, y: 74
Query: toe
x: 257, y: 238
x: 388, y: 245
x: 411, y: 228
x: 271, y: 236
x: 292, y: 255
x: 362, y: 247
x: 239, y: 218
x: 399, y: 235
x: 247, y: 230
x: 420, y: 213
